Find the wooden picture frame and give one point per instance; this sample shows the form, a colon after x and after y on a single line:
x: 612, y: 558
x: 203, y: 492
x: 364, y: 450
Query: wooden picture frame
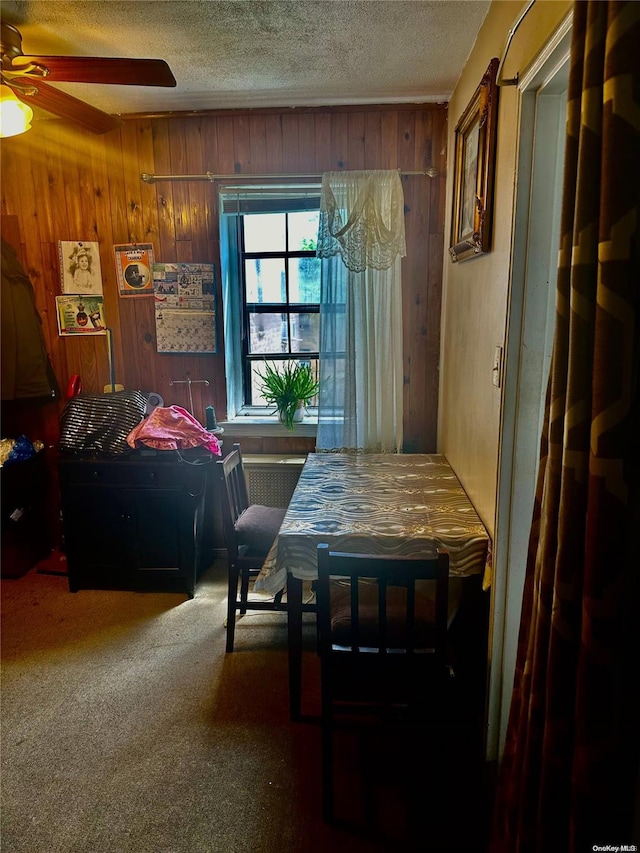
x: 474, y: 160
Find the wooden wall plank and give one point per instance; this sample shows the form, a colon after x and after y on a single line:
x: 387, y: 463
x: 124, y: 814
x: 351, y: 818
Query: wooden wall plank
x: 210, y: 164
x: 116, y: 188
x: 55, y: 182
x: 258, y: 143
x: 340, y: 141
x: 41, y: 185
x: 273, y: 132
x: 180, y: 166
x: 389, y: 140
x: 406, y: 140
x: 71, y: 145
x: 323, y: 142
x: 147, y: 192
x: 210, y: 145
x: 42, y: 278
x: 290, y: 144
x: 226, y: 149
x: 132, y: 183
x: 423, y: 141
x: 198, y: 193
x: 164, y: 190
x: 307, y: 142
x: 355, y: 132
x: 372, y: 142
x: 241, y: 145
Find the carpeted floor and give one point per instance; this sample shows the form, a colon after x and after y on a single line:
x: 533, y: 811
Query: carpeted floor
x: 127, y: 729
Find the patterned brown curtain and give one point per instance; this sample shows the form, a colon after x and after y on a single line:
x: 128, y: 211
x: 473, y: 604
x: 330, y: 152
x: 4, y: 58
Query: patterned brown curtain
x: 569, y: 770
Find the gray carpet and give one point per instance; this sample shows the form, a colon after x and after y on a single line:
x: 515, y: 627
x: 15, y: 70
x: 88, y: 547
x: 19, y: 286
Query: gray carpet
x: 127, y: 729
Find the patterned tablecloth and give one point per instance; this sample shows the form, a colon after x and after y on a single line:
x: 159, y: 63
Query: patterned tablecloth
x: 376, y: 504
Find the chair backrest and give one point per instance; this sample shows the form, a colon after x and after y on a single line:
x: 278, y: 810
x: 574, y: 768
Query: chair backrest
x: 234, y: 498
x: 378, y: 613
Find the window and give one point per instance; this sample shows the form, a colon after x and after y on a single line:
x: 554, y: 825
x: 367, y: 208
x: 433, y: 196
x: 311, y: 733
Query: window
x: 271, y: 286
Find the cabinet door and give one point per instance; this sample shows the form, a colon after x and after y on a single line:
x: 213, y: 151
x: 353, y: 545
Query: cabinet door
x: 165, y: 529
x: 157, y: 530
x: 97, y: 527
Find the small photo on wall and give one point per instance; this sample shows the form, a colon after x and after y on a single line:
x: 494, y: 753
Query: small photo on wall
x: 81, y: 314
x: 134, y: 263
x: 80, y: 267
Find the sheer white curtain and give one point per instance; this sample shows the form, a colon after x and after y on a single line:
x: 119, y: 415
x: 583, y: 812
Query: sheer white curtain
x: 361, y: 241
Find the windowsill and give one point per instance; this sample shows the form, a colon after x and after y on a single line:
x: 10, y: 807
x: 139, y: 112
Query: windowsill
x: 269, y: 426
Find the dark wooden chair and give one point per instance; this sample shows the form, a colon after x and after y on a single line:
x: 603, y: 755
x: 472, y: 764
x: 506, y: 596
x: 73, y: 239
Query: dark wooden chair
x: 249, y: 531
x: 382, y: 640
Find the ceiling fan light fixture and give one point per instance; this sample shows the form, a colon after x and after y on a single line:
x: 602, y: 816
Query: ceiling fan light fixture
x: 15, y: 117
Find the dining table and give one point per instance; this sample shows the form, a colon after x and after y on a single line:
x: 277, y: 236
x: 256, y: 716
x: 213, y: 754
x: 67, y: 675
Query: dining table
x: 395, y: 504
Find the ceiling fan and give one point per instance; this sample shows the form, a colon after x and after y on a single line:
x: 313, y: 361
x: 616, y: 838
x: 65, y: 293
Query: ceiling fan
x: 25, y: 76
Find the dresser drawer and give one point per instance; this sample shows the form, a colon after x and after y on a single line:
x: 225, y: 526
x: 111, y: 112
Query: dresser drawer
x: 139, y: 474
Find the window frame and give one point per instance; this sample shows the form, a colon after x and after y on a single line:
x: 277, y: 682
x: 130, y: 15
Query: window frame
x: 238, y: 358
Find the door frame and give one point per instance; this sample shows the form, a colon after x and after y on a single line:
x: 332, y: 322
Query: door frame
x: 541, y: 123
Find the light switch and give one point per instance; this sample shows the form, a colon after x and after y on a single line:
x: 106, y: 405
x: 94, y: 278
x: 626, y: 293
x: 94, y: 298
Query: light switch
x: 497, y: 367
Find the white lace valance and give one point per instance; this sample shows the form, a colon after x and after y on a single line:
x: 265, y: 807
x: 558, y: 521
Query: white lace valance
x: 362, y: 219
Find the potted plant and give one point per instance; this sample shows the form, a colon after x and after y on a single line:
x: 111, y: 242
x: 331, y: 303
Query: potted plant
x: 289, y: 388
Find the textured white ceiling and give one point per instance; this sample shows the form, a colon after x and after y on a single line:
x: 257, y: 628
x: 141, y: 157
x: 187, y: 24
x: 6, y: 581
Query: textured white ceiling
x: 260, y: 54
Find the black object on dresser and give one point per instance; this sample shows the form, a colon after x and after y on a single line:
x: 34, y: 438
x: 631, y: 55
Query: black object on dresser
x: 137, y: 521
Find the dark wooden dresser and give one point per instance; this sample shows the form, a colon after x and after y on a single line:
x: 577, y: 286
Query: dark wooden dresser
x: 138, y: 522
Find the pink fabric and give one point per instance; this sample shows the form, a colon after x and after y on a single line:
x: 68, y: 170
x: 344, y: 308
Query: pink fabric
x: 172, y: 428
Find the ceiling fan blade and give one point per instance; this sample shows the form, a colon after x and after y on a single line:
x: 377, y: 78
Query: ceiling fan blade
x: 66, y: 106
x: 96, y: 69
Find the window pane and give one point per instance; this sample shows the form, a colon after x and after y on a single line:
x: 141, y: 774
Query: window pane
x: 268, y: 333
x: 257, y: 368
x: 304, y: 280
x: 332, y: 389
x: 264, y: 232
x: 305, y: 332
x: 303, y: 231
x: 265, y: 280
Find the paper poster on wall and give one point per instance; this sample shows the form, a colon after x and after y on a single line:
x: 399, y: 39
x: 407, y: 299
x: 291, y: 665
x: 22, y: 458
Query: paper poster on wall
x: 80, y: 267
x: 185, y: 309
x: 134, y: 265
x: 185, y: 331
x: 80, y: 314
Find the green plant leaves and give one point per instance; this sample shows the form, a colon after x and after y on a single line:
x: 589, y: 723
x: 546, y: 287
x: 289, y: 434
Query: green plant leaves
x: 288, y: 386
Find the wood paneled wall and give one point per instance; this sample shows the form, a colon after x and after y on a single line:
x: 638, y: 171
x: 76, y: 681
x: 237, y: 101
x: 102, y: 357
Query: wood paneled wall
x: 65, y: 184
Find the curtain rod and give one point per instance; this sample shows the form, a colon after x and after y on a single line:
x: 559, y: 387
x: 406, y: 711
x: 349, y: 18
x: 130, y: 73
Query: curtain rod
x: 209, y: 176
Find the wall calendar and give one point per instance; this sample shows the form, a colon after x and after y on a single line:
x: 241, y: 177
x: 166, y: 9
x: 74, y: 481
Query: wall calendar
x: 185, y: 309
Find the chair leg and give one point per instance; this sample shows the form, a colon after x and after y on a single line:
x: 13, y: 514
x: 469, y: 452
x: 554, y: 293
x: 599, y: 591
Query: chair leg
x: 244, y: 590
x: 294, y: 636
x: 231, y: 606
